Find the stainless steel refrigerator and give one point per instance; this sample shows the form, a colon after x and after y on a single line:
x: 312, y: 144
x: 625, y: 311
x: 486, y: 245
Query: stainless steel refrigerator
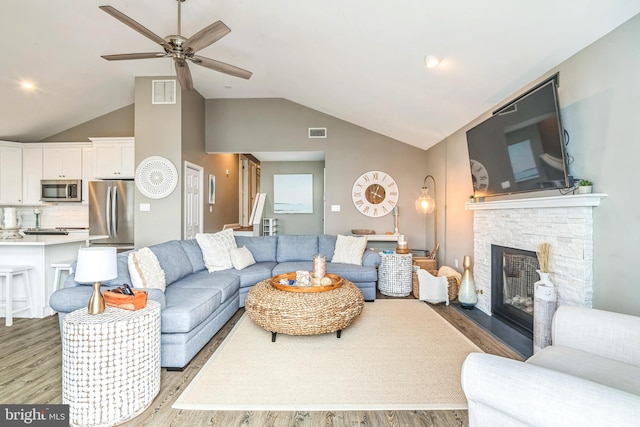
x: 111, y: 212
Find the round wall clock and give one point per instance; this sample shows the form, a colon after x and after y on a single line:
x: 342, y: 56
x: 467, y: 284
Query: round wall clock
x: 479, y: 175
x: 375, y: 193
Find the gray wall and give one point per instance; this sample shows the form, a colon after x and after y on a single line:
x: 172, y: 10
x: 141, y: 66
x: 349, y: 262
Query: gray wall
x: 158, y: 132
x: 295, y: 223
x: 251, y: 125
x: 599, y: 92
x: 117, y: 123
x: 225, y: 210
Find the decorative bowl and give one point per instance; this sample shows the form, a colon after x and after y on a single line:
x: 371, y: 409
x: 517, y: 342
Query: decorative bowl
x: 362, y: 231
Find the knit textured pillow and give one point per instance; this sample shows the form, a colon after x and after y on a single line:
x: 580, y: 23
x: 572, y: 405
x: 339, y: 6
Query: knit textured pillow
x: 215, y: 249
x: 145, y: 270
x: 349, y: 250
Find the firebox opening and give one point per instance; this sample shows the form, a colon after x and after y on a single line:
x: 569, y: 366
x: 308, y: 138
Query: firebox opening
x: 513, y: 274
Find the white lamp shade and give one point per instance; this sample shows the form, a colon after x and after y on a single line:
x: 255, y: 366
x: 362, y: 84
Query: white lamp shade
x: 96, y: 264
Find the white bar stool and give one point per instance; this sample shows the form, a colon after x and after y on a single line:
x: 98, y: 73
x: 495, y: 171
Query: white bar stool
x: 9, y: 273
x: 59, y: 269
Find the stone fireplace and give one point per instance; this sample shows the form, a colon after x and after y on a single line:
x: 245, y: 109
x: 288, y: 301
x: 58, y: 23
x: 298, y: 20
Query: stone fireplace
x: 565, y: 222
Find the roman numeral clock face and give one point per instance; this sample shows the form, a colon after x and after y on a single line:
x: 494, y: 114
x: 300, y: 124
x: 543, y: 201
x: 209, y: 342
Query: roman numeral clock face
x: 375, y: 193
x: 479, y: 175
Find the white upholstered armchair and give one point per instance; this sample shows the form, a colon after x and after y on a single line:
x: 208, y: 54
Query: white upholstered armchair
x: 590, y: 376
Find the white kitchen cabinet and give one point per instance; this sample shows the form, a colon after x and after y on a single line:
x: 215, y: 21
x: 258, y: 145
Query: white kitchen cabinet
x: 114, y: 158
x: 31, y: 175
x: 10, y: 174
x: 62, y: 163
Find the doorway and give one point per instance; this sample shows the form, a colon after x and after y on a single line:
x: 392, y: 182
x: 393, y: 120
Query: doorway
x: 249, y: 186
x: 193, y: 200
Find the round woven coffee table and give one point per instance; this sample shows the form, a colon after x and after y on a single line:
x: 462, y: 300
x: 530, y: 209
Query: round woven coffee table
x: 302, y: 313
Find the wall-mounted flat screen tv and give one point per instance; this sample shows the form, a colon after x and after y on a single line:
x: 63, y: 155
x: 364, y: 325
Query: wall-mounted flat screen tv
x: 521, y: 147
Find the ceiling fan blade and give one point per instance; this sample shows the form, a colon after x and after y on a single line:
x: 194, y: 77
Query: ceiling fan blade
x: 184, y: 75
x: 124, y: 56
x: 206, y: 36
x: 221, y: 67
x: 133, y: 24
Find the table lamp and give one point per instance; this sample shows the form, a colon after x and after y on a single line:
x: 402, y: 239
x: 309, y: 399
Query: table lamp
x: 96, y: 264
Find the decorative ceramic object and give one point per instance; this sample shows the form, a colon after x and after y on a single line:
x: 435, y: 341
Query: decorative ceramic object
x: 544, y: 306
x: 585, y: 186
x: 585, y: 189
x: 319, y: 269
x: 467, y: 295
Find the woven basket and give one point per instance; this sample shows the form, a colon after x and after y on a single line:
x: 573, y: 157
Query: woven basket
x: 453, y: 287
x: 394, y: 274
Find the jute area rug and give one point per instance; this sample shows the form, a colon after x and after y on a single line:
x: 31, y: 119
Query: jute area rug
x: 398, y: 355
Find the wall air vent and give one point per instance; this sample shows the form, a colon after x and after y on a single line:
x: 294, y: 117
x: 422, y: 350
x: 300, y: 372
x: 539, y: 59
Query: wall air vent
x: 163, y: 92
x: 317, y: 132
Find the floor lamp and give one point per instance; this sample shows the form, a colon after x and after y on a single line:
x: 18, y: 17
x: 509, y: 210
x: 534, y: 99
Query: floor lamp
x: 426, y: 205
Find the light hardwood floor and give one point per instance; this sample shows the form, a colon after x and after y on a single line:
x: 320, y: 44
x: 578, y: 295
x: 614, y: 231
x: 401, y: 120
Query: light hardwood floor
x: 30, y: 372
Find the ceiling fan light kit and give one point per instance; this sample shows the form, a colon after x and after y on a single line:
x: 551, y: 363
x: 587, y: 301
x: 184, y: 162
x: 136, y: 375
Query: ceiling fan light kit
x: 180, y: 48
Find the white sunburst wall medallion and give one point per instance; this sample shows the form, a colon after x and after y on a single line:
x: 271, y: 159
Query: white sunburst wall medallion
x: 156, y: 177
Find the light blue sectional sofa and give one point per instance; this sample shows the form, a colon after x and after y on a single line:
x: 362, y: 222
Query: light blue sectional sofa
x: 196, y: 304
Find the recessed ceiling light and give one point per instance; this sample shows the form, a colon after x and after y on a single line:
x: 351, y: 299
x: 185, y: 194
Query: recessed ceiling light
x: 431, y: 61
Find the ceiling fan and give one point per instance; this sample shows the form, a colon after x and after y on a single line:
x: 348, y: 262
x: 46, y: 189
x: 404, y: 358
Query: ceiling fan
x: 180, y: 48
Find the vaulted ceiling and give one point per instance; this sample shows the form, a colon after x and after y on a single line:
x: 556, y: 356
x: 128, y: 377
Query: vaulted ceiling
x: 358, y: 60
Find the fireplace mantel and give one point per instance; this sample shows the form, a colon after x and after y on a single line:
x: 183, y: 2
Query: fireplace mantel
x: 571, y: 200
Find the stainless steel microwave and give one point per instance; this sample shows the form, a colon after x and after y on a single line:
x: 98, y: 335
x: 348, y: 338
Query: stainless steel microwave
x: 61, y: 190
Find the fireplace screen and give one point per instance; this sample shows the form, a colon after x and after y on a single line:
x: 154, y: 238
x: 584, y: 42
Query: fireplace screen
x: 513, y: 274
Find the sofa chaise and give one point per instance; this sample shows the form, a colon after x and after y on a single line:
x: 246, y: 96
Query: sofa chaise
x: 590, y: 376
x: 196, y: 303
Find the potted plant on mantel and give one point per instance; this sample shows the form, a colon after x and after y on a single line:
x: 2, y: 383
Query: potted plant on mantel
x: 585, y: 186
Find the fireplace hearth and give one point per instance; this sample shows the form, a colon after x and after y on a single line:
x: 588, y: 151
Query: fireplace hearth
x: 513, y: 275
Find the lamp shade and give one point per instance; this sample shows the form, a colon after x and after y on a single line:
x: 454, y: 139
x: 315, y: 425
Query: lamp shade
x: 96, y: 264
x: 425, y: 204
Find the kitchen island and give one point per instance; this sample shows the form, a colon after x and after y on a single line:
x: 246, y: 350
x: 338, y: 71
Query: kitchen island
x: 40, y: 252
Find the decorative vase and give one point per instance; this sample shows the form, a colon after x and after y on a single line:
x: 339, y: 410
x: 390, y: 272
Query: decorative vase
x: 544, y: 306
x: 96, y: 302
x: 467, y: 295
x: 585, y: 189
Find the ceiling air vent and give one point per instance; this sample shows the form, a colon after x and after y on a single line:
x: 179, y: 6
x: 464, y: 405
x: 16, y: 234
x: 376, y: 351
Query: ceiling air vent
x: 164, y: 92
x: 317, y: 132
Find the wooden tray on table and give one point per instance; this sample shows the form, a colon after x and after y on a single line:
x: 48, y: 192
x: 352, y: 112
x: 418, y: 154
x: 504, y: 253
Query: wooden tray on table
x: 336, y: 282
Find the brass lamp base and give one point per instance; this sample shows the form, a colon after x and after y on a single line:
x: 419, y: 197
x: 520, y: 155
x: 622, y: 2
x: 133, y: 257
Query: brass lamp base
x: 96, y: 303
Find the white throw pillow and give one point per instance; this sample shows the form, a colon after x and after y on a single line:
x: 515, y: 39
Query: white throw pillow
x: 241, y: 258
x: 145, y: 270
x: 215, y: 249
x: 349, y: 249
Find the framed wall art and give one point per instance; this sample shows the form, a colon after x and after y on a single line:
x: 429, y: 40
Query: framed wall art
x: 212, y: 189
x: 292, y: 193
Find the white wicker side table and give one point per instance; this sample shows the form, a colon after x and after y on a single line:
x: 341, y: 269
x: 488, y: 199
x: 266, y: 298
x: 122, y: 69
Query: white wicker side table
x: 395, y: 275
x: 110, y: 364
